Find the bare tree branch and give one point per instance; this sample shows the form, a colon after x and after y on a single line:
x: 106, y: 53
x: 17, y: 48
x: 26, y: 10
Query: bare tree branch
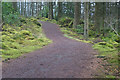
x: 111, y: 21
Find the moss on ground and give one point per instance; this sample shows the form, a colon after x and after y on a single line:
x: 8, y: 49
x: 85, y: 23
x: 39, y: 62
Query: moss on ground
x: 18, y: 39
x: 73, y: 35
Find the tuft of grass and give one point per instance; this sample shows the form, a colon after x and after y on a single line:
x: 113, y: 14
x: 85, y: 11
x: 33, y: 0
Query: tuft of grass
x: 77, y: 39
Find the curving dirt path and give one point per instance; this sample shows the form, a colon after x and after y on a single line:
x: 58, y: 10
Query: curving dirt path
x: 64, y: 58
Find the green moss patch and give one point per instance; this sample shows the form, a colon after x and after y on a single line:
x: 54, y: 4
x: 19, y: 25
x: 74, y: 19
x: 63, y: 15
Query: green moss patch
x: 17, y: 40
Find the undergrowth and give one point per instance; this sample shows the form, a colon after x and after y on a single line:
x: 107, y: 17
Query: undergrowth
x: 25, y: 37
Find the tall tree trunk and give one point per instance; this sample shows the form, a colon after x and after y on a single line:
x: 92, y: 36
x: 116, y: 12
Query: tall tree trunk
x: 59, y: 10
x: 42, y: 11
x: 25, y: 9
x: 55, y: 11
x: 80, y: 9
x: 22, y: 8
x: 39, y: 9
x: 32, y: 5
x: 50, y: 10
x: 36, y: 8
x: 119, y: 17
x: 0, y: 12
x: 76, y: 14
x: 103, y: 12
x: 28, y: 9
x: 97, y: 17
x: 15, y: 6
x: 86, y: 20
x: 18, y: 7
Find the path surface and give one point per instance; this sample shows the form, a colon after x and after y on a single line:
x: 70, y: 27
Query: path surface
x: 64, y: 58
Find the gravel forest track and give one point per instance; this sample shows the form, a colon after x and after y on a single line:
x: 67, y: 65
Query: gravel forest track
x: 64, y: 58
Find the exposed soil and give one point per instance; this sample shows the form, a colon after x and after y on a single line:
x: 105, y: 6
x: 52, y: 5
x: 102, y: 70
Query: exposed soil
x: 64, y: 58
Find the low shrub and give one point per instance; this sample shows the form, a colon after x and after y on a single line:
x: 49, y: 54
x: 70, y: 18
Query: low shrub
x: 66, y: 22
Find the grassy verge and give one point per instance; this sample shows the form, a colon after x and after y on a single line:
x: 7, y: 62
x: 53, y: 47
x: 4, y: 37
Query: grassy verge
x: 25, y: 37
x: 73, y: 35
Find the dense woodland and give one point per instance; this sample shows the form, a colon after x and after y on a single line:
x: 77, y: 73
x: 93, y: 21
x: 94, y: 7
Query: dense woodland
x: 94, y: 22
x: 103, y: 15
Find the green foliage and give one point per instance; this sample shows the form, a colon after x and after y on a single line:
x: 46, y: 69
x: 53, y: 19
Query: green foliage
x: 25, y: 32
x: 11, y: 18
x: 112, y: 39
x: 8, y: 13
x: 68, y: 31
x: 7, y: 8
x: 92, y: 33
x: 110, y: 54
x: 23, y: 20
x: 106, y: 44
x: 79, y: 29
x: 46, y: 19
x: 35, y: 21
x: 112, y: 36
x: 45, y: 11
x: 4, y: 46
x: 73, y: 35
x: 107, y: 51
x: 66, y: 22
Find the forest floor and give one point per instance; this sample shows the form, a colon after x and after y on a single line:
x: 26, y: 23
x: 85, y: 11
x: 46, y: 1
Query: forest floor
x: 64, y: 58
